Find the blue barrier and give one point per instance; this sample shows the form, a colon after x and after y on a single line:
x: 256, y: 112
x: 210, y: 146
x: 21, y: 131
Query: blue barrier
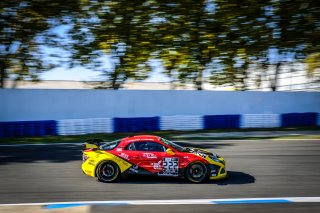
x: 28, y: 128
x: 136, y: 124
x: 299, y: 119
x: 84, y: 126
x: 221, y: 121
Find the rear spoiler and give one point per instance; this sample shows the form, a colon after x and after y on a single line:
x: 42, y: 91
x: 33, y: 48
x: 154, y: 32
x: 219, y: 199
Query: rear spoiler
x: 92, y: 144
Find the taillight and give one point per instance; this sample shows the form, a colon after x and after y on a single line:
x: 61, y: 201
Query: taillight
x: 84, y: 157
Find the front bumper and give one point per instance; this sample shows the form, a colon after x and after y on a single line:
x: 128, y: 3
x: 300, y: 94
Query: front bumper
x: 217, y: 171
x: 220, y: 176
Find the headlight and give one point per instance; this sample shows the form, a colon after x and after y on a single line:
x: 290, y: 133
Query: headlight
x: 214, y: 158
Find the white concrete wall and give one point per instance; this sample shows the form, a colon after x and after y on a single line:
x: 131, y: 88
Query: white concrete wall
x: 23, y: 105
x: 260, y: 121
x: 181, y: 122
x: 84, y: 126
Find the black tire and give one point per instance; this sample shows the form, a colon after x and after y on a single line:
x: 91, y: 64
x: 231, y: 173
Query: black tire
x: 197, y: 172
x: 107, y: 172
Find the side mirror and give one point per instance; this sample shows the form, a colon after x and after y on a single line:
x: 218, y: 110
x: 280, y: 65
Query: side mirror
x: 170, y: 151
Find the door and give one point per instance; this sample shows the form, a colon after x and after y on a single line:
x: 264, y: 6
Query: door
x: 148, y: 155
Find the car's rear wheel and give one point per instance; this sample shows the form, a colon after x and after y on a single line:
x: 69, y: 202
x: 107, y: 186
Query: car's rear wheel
x: 108, y: 172
x: 197, y: 172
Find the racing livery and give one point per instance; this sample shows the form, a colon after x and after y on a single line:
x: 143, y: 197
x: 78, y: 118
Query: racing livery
x: 149, y: 155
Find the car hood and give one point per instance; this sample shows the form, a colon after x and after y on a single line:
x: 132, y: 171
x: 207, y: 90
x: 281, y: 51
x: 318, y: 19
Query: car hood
x: 200, y: 152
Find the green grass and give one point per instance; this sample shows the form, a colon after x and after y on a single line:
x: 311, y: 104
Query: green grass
x: 166, y: 134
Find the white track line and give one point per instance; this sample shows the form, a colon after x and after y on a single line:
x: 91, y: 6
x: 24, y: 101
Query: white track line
x: 176, y: 202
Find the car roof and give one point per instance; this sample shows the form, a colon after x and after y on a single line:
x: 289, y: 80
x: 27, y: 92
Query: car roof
x: 138, y: 138
x: 142, y: 137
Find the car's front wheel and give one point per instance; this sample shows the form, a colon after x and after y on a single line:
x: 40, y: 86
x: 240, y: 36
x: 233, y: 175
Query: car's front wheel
x: 197, y: 172
x: 108, y: 172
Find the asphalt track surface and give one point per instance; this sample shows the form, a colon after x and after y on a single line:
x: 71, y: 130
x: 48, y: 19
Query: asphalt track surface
x: 258, y: 169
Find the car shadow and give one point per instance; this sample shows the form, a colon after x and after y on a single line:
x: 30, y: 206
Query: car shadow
x: 61, y: 153
x: 33, y: 153
x: 237, y: 178
x: 234, y: 178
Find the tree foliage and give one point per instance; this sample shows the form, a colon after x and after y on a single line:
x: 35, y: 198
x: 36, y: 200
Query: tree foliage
x: 188, y: 34
x: 24, y: 27
x: 220, y: 39
x: 295, y: 28
x: 120, y: 29
x: 313, y: 65
x: 242, y: 40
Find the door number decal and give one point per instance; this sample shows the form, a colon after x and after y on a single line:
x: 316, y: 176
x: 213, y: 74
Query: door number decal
x: 170, y: 167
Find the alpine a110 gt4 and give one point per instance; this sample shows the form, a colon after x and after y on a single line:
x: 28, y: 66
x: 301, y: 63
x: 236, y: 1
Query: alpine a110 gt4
x: 149, y: 155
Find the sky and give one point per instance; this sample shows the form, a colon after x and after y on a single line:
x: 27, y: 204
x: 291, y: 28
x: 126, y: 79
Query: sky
x: 83, y: 74
x: 294, y: 80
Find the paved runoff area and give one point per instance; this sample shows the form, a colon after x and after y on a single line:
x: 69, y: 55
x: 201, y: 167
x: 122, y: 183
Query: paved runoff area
x: 265, y: 176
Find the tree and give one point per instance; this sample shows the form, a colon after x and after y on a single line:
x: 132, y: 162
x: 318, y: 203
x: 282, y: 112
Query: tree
x: 242, y: 40
x: 254, y: 27
x: 189, y: 32
x: 25, y: 31
x: 313, y: 65
x: 295, y: 29
x: 121, y: 29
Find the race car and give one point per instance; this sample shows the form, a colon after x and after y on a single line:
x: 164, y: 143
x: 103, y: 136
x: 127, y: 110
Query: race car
x: 149, y: 155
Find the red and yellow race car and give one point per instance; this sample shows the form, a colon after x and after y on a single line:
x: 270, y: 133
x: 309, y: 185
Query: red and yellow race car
x: 149, y: 155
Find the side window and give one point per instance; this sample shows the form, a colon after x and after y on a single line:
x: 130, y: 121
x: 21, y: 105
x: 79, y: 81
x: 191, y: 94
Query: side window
x: 149, y: 146
x: 130, y: 147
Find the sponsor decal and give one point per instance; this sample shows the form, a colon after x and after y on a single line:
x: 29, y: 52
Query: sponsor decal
x: 157, y: 166
x: 170, y: 167
x: 119, y: 149
x: 149, y: 155
x: 201, y: 154
x: 134, y: 169
x: 213, y: 172
x: 139, y: 139
x: 124, y: 156
x: 148, y: 139
x: 133, y: 140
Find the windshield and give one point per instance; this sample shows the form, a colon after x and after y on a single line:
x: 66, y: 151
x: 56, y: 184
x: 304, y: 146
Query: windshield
x: 173, y: 145
x: 109, y: 145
